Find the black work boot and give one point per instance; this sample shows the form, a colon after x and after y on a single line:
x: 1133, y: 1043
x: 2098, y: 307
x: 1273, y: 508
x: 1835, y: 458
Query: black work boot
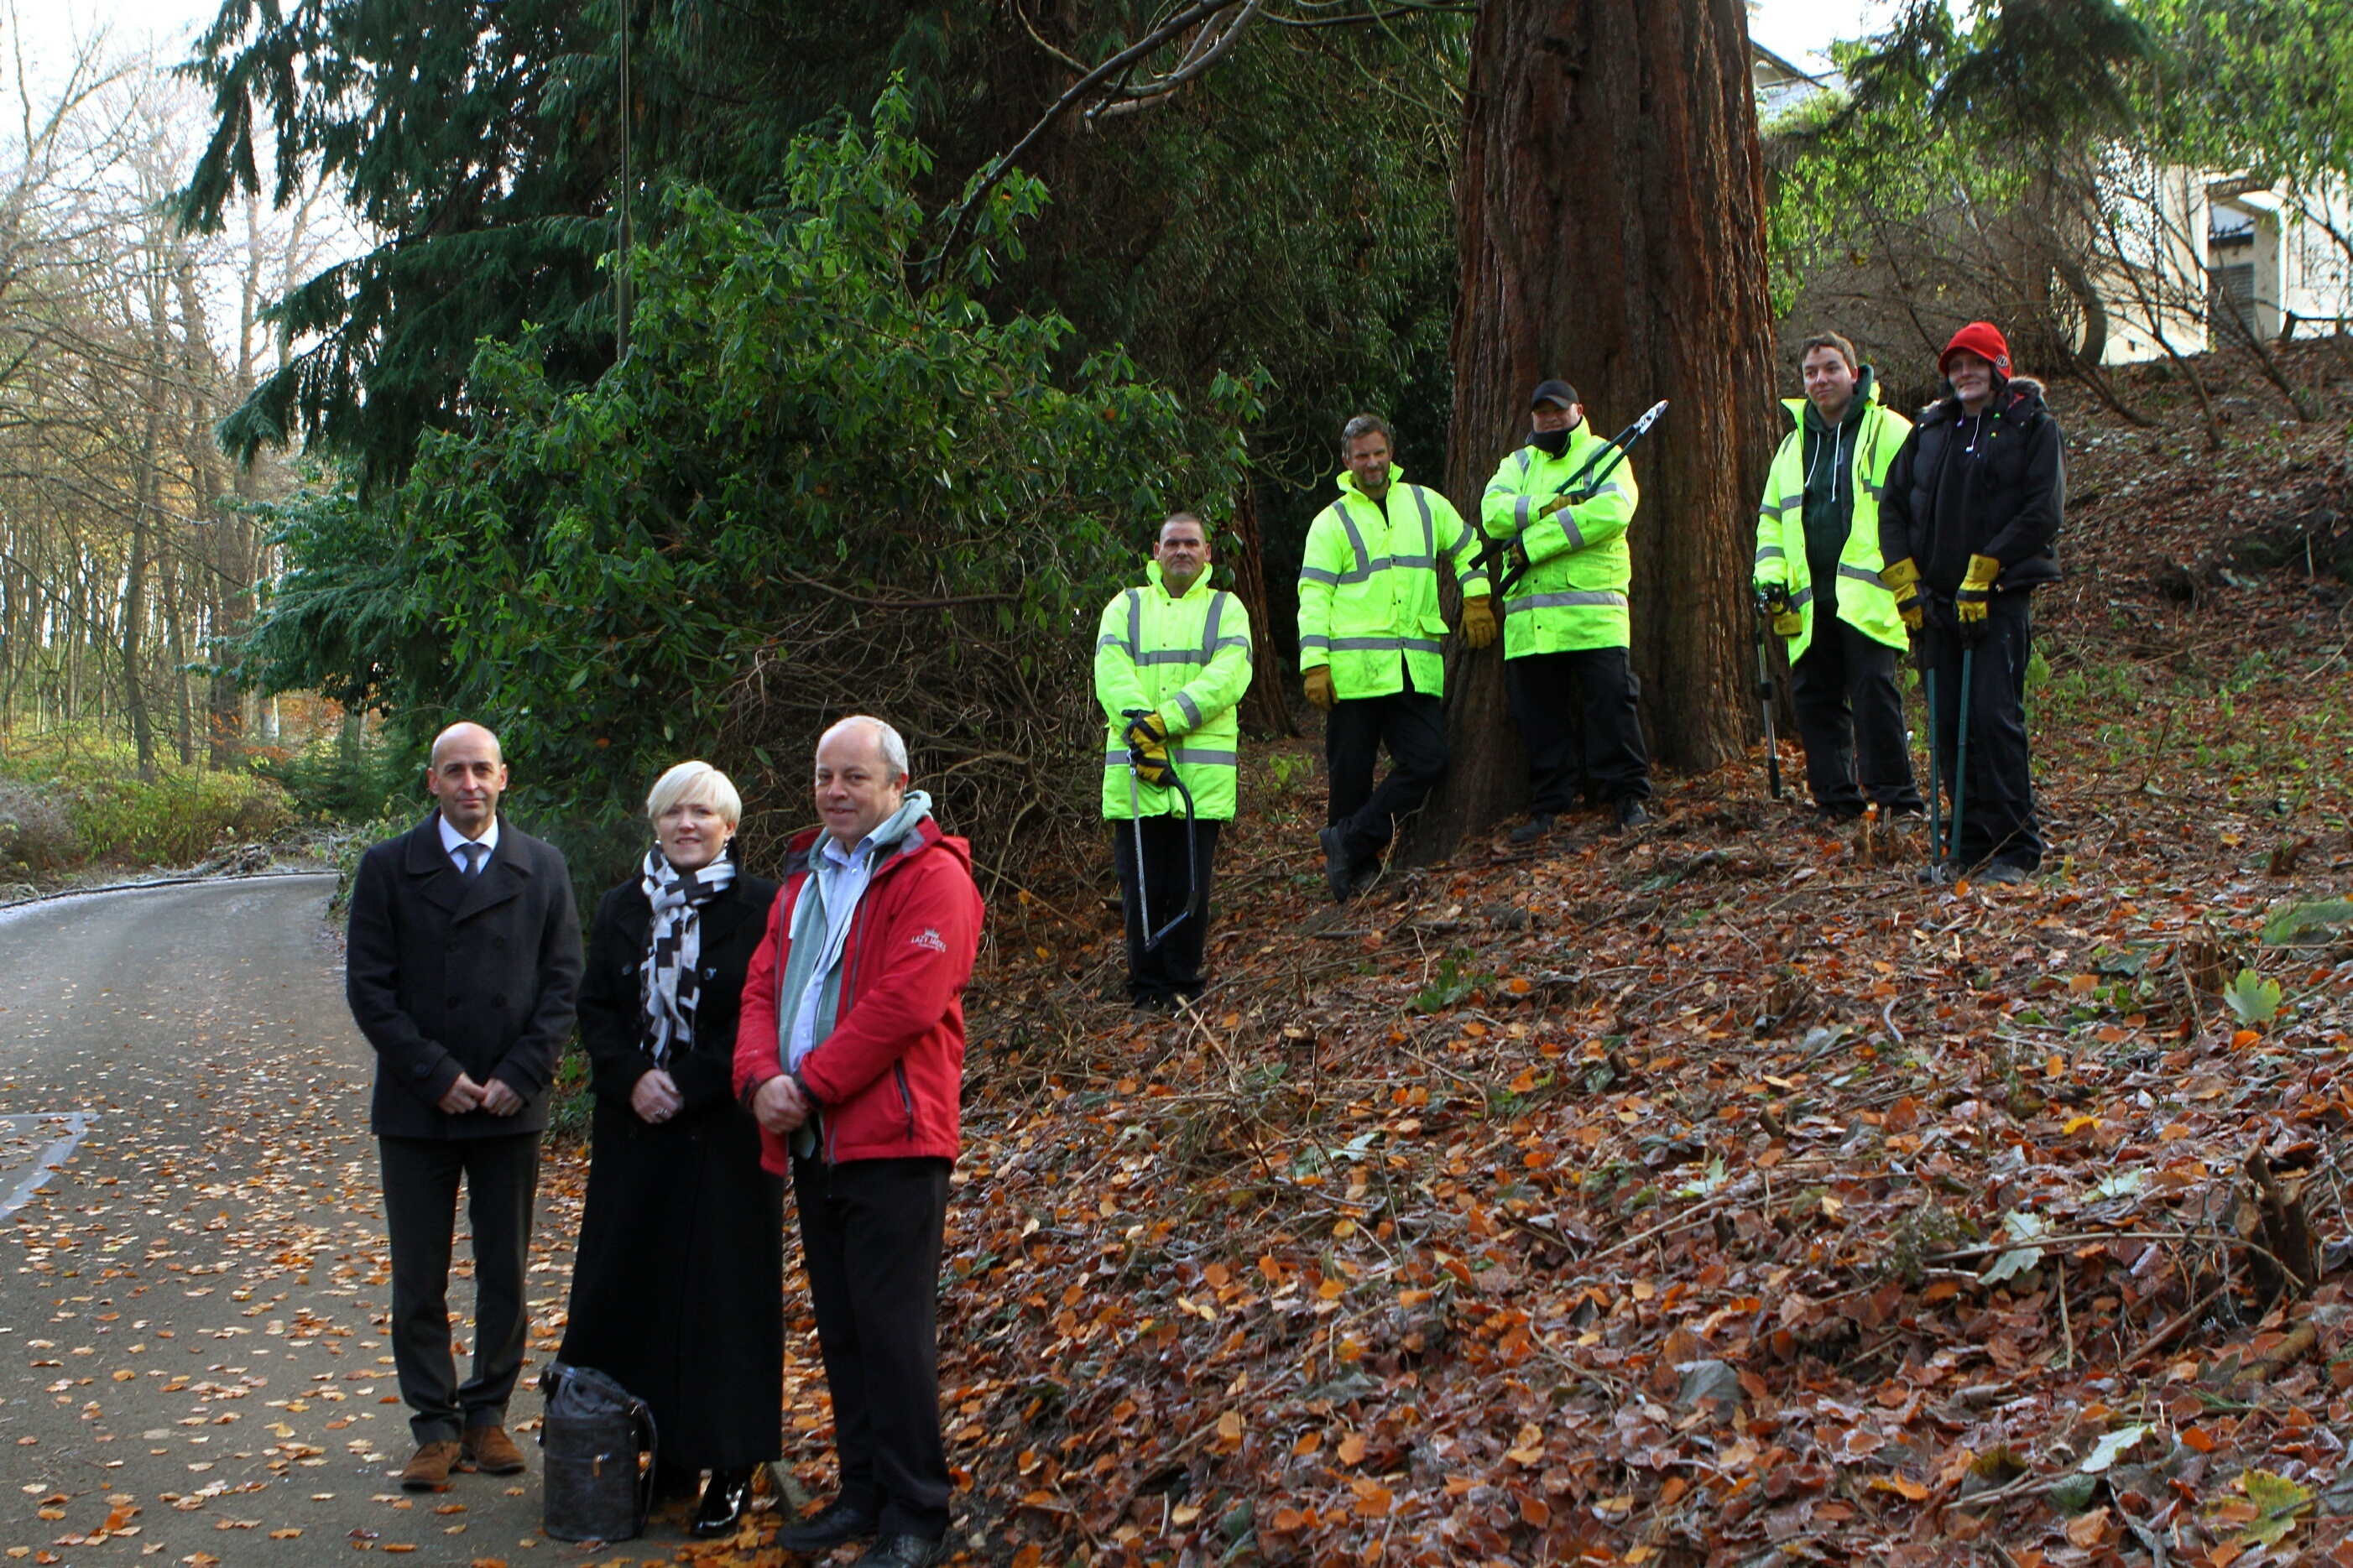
x: 1538, y: 826
x: 1629, y: 813
x: 1336, y: 862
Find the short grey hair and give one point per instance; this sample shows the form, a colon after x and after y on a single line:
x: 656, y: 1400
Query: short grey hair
x: 894, y: 746
x: 697, y: 783
x: 1365, y: 425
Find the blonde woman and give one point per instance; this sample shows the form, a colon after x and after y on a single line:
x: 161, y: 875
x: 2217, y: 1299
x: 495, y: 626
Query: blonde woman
x: 678, y: 1286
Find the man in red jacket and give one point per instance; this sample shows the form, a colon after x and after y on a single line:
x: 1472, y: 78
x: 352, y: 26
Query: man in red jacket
x: 851, y: 1054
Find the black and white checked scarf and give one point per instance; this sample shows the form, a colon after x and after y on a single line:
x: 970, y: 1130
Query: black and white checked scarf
x: 673, y: 981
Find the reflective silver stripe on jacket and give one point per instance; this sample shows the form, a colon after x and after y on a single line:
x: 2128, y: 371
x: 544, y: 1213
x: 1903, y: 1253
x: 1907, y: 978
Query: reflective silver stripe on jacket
x: 1860, y: 574
x: 1464, y: 545
x: 1380, y: 645
x: 1202, y: 655
x: 1356, y: 542
x: 1191, y: 710
x: 1569, y: 531
x: 1574, y: 598
x: 1187, y: 754
x: 1801, y: 598
x: 1771, y: 552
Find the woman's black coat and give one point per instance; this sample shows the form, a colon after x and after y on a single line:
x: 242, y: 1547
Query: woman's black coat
x: 677, y: 1288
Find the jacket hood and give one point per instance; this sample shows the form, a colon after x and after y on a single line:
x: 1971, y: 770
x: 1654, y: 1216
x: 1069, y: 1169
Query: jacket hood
x: 1866, y: 394
x: 1348, y: 486
x: 1152, y: 574
x: 2018, y: 399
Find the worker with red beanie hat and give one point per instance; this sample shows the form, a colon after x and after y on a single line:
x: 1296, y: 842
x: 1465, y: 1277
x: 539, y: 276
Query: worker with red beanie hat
x: 1974, y: 502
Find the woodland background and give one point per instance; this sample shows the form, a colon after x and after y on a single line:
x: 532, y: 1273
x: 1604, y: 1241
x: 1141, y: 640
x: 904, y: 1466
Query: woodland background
x: 322, y: 394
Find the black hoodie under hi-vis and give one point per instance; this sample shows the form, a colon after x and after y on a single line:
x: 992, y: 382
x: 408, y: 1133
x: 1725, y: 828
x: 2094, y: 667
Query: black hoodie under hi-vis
x: 1987, y: 484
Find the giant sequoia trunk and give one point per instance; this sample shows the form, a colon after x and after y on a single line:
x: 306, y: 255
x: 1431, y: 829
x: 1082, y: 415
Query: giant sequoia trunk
x: 1611, y: 203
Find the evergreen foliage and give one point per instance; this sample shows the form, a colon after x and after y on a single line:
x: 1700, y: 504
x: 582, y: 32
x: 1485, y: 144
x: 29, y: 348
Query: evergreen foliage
x: 811, y: 488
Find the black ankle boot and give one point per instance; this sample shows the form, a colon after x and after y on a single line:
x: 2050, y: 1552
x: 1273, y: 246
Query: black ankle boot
x: 725, y: 1499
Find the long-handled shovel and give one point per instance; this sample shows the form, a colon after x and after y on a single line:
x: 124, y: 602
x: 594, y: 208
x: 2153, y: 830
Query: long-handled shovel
x: 1962, y: 754
x: 1152, y: 938
x: 1936, y: 777
x: 1765, y: 694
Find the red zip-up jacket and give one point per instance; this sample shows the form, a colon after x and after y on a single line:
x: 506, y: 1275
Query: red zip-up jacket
x: 889, y: 1079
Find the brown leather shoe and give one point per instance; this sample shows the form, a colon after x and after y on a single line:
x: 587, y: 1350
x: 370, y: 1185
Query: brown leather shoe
x: 428, y: 1469
x: 489, y: 1451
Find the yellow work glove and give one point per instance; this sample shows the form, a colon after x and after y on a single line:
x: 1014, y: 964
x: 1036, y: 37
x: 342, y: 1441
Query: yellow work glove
x: 1144, y: 729
x: 1903, y: 580
x: 1478, y: 621
x: 1318, y: 682
x: 1787, y: 619
x: 1970, y: 604
x: 1151, y: 763
x: 1147, y: 745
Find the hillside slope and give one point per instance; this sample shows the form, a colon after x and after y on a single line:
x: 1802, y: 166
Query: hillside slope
x: 1719, y: 1196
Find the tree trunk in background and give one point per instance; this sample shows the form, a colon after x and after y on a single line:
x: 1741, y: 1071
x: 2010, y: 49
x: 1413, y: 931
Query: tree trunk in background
x: 134, y: 586
x: 1611, y: 205
x: 1265, y: 710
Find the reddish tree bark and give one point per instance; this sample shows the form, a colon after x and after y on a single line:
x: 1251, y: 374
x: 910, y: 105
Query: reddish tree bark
x: 1264, y: 713
x: 1611, y: 203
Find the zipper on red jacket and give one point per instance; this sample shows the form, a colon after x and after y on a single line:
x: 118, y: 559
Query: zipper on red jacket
x: 855, y: 946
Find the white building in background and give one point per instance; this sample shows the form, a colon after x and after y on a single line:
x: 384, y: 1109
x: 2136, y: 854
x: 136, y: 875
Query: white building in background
x: 1780, y: 86
x: 2193, y: 245
x: 2275, y: 262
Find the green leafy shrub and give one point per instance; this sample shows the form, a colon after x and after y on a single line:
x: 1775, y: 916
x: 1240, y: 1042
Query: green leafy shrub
x: 177, y: 819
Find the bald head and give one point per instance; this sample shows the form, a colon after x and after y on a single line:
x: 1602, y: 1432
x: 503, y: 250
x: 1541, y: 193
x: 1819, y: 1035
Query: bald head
x: 466, y: 777
x: 467, y: 732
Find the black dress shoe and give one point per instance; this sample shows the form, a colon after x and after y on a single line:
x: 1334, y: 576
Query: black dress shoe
x: 828, y: 1528
x: 899, y: 1552
x: 725, y: 1499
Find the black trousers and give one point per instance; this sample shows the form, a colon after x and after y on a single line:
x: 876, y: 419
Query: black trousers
x: 420, y: 1217
x: 878, y: 1328
x: 1996, y: 805
x: 1851, y: 717
x: 1410, y: 724
x: 1580, y: 721
x: 1162, y: 886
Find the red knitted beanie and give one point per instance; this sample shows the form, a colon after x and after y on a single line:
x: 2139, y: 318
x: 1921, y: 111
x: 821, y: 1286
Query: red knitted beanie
x: 1982, y: 339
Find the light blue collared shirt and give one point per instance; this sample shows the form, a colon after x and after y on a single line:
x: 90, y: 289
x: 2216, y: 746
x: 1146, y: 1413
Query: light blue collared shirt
x: 841, y: 881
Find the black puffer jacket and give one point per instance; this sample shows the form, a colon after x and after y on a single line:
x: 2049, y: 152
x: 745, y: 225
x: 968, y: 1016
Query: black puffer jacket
x: 1991, y: 484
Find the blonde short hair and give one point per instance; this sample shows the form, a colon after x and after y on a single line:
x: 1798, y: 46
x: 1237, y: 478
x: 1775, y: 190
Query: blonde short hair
x: 697, y: 783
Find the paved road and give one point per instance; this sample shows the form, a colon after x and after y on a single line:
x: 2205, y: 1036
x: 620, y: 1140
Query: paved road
x: 190, y: 1355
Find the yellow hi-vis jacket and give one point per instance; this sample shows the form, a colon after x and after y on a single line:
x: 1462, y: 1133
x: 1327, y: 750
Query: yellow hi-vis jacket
x: 1573, y: 595
x: 1863, y: 601
x: 1188, y: 660
x: 1369, y: 587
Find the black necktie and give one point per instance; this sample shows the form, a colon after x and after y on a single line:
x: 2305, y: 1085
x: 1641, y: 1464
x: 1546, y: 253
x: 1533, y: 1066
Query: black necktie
x: 475, y: 855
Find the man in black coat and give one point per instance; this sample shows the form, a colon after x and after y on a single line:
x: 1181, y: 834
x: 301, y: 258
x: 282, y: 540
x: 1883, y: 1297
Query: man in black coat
x: 1973, y: 506
x: 463, y: 968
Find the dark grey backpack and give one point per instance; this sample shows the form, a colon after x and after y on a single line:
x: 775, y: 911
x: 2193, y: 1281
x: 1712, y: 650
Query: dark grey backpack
x: 592, y: 1434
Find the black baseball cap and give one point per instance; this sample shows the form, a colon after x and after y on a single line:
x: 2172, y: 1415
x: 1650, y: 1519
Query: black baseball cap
x: 1558, y: 392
